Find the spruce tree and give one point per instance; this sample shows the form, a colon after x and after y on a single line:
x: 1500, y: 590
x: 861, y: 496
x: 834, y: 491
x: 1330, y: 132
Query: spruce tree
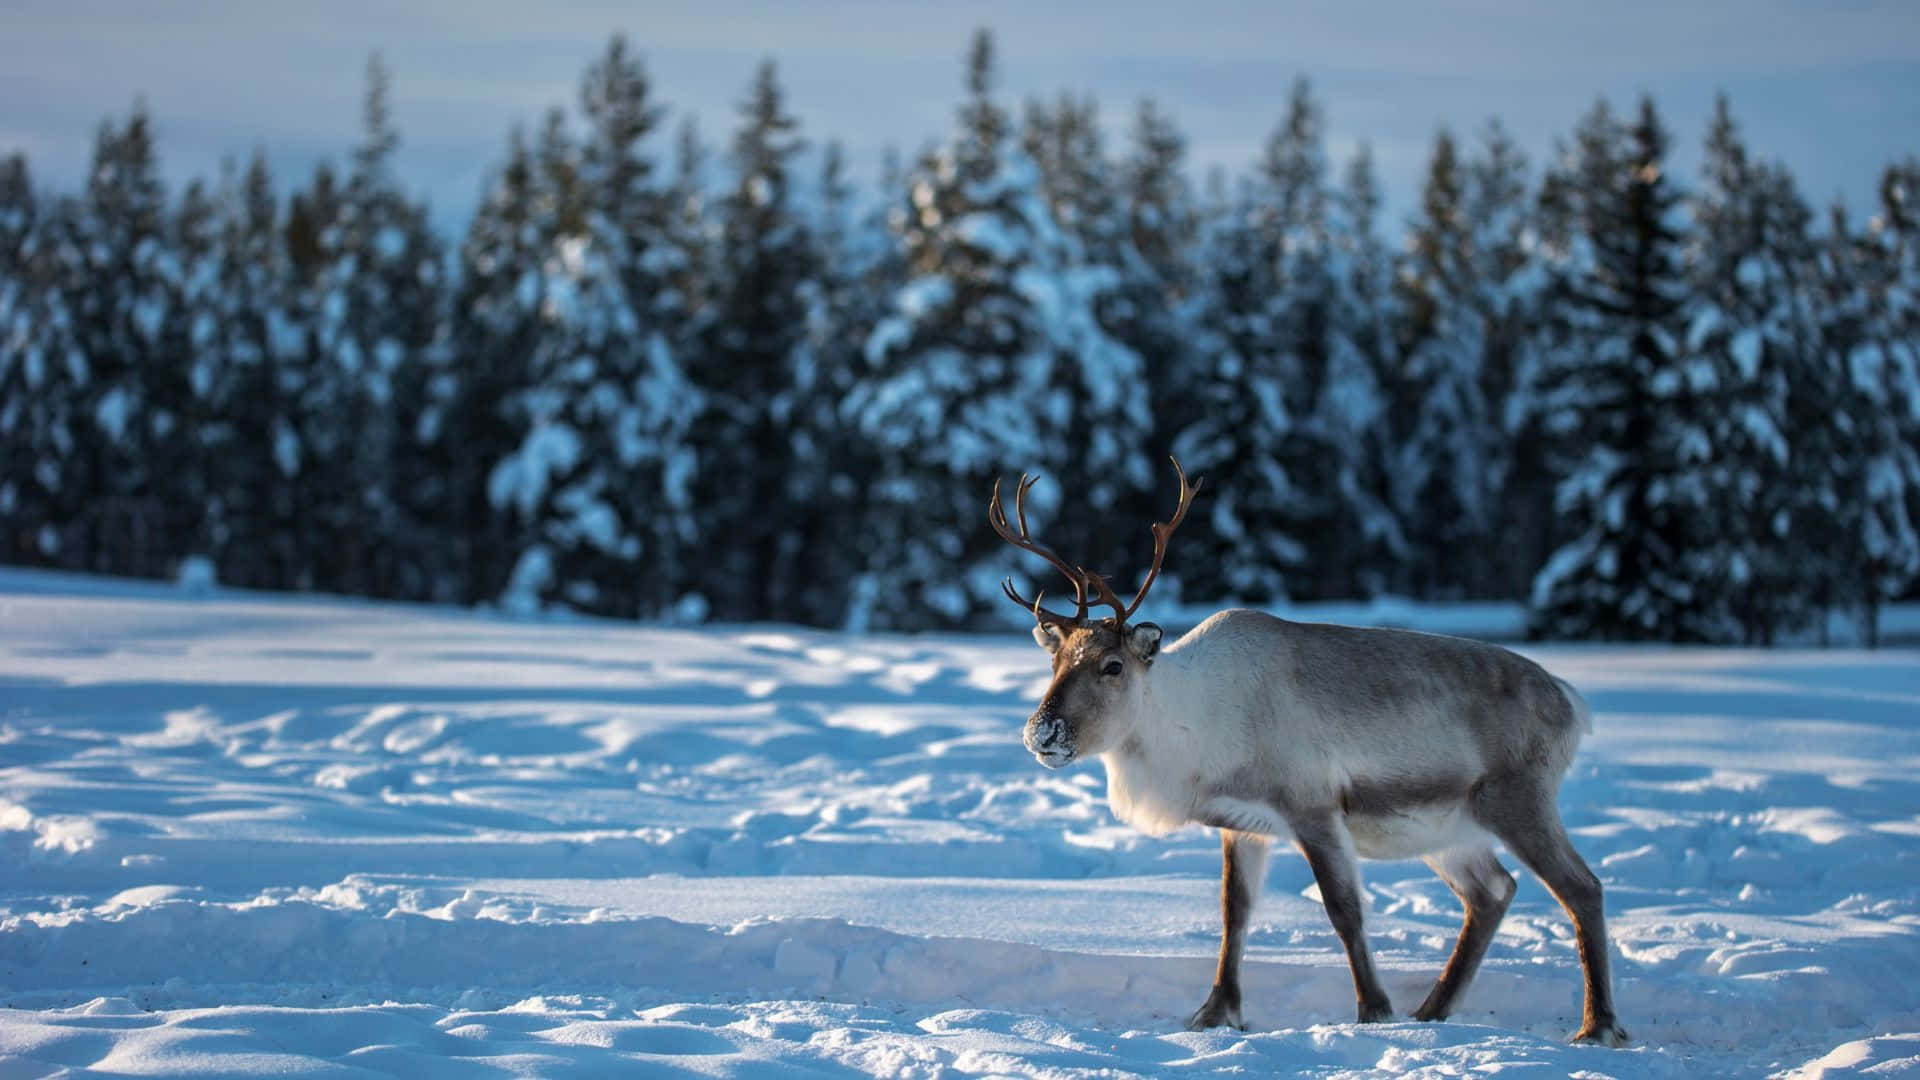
x: 1232, y: 410
x: 44, y: 378
x: 992, y: 355
x: 369, y: 411
x: 1156, y: 308
x: 1824, y: 423
x: 1445, y: 459
x: 17, y: 335
x: 1751, y: 318
x: 1508, y: 288
x: 1311, y: 490
x: 133, y: 509
x: 1628, y: 404
x: 1467, y: 304
x: 1885, y: 367
x: 600, y: 482
x: 190, y: 345
x: 828, y: 463
x: 689, y: 247
x: 16, y: 214
x: 311, y: 213
x: 1365, y: 545
x: 862, y: 270
x: 1283, y: 412
x: 1103, y: 370
x: 1076, y: 179
x: 253, y: 361
x: 1162, y: 219
x: 751, y: 357
x: 494, y: 327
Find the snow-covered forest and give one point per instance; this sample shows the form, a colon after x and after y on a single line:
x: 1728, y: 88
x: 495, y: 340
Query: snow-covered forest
x: 658, y: 379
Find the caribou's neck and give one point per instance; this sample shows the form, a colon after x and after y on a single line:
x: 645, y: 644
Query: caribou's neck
x: 1176, y: 688
x: 1158, y: 773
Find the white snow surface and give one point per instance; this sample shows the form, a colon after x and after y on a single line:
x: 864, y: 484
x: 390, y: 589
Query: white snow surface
x: 245, y: 834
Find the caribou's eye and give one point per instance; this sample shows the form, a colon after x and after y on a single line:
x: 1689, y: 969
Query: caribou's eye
x: 1111, y: 667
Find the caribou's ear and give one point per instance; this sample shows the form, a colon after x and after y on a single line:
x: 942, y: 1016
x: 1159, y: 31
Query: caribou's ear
x: 1144, y: 640
x: 1049, y: 637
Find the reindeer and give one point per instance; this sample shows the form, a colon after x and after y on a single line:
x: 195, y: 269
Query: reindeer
x: 1383, y: 744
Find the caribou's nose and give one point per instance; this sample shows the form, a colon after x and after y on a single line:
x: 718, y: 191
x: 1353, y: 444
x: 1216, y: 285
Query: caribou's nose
x: 1046, y: 736
x: 1043, y: 731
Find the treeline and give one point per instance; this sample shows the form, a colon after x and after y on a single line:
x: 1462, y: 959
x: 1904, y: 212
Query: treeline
x: 649, y: 383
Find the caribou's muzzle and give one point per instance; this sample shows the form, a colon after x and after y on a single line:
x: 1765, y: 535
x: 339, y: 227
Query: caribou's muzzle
x: 1048, y: 739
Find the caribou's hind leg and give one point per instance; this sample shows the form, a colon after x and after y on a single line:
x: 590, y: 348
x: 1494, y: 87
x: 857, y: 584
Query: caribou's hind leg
x: 1485, y: 889
x: 1243, y: 869
x: 1522, y: 812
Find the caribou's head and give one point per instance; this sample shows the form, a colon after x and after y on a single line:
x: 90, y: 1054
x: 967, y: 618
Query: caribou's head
x: 1099, y: 666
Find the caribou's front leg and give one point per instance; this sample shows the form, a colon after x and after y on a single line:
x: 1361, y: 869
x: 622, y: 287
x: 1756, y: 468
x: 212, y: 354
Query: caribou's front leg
x: 1243, y: 868
x: 1324, y: 841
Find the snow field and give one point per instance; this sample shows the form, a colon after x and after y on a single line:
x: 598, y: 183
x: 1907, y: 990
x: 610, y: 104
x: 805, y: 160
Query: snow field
x: 245, y: 835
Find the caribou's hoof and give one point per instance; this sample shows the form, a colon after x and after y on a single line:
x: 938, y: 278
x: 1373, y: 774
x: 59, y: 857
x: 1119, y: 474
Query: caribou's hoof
x: 1431, y: 1009
x: 1375, y: 1011
x: 1221, y: 1010
x: 1608, y: 1034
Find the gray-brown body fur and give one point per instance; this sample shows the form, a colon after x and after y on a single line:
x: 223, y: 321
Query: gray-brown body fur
x: 1377, y: 743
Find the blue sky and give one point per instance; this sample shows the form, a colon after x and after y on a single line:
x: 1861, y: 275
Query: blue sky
x: 1831, y: 88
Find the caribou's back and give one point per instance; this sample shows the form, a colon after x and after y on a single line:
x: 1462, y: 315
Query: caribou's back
x: 1366, y: 715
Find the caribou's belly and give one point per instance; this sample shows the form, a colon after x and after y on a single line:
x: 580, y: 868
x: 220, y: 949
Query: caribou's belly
x: 1241, y: 815
x: 1420, y: 831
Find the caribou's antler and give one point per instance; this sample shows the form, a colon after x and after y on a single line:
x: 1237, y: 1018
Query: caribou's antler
x: 997, y: 517
x: 1103, y: 594
x: 1162, y: 532
x: 1084, y: 580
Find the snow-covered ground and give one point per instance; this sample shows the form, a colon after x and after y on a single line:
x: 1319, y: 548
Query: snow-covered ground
x: 243, y: 835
